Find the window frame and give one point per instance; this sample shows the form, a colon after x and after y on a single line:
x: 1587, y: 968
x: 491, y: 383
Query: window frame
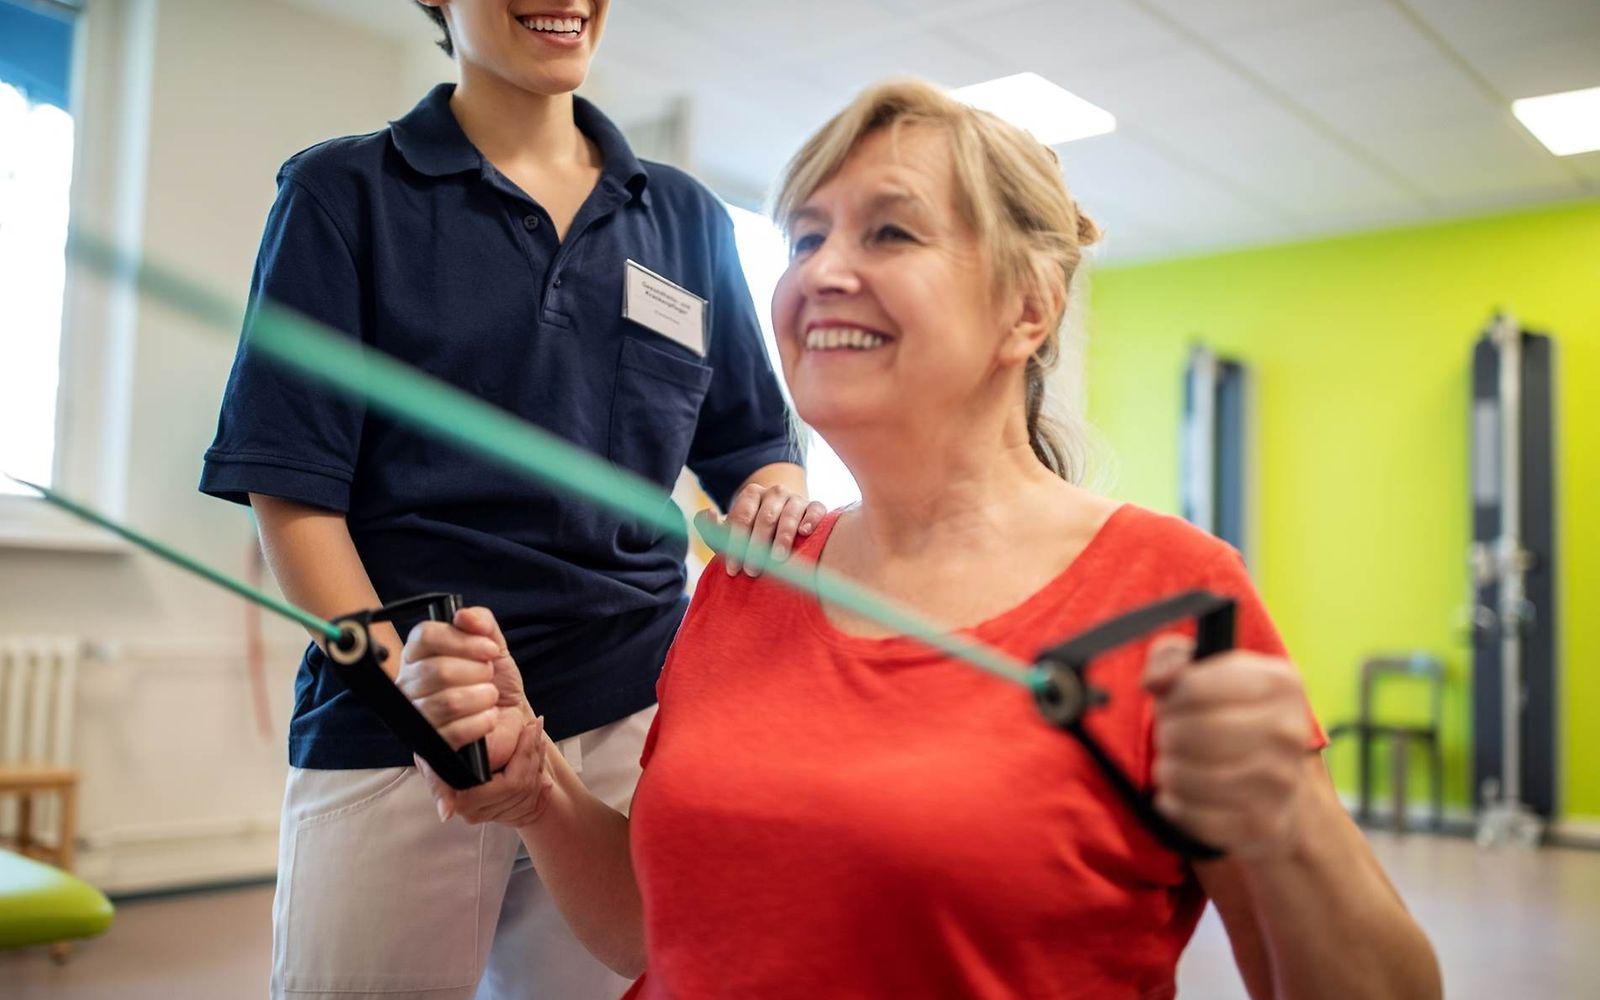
x: 112, y: 66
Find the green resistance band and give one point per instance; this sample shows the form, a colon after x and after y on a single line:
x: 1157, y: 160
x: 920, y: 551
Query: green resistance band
x: 424, y: 402
x: 171, y: 555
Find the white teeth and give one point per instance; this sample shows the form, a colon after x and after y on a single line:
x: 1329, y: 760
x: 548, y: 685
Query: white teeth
x: 836, y: 337
x: 559, y: 25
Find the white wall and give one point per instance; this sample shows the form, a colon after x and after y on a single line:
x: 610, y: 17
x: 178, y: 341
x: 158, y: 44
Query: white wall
x: 178, y: 785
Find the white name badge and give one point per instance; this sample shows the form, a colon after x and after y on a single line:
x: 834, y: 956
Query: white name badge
x: 670, y: 310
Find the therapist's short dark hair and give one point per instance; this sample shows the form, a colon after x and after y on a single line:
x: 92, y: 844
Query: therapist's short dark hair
x: 437, y: 17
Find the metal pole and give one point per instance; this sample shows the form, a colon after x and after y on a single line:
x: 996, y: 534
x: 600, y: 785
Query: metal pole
x: 1509, y: 338
x: 1507, y: 818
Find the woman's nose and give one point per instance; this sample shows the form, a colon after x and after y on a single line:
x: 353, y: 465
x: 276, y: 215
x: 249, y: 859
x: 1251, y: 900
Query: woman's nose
x: 829, y: 271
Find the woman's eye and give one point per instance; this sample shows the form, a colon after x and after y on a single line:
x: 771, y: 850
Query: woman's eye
x: 891, y: 233
x: 805, y: 244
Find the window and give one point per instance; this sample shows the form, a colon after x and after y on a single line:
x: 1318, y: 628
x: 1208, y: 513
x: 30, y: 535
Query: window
x: 36, y: 147
x: 765, y: 256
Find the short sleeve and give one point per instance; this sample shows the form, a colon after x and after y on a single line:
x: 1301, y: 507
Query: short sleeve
x: 278, y: 434
x: 1253, y: 628
x: 744, y: 421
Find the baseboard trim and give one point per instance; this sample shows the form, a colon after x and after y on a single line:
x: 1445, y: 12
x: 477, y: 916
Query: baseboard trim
x: 141, y: 867
x: 1577, y: 832
x: 192, y: 889
x: 1581, y: 832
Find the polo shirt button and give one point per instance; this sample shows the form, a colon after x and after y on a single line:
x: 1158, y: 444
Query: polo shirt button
x: 558, y: 282
x: 530, y: 222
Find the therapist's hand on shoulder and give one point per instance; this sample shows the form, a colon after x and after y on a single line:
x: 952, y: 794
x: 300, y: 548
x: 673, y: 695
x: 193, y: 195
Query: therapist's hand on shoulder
x: 1231, y: 737
x: 762, y: 523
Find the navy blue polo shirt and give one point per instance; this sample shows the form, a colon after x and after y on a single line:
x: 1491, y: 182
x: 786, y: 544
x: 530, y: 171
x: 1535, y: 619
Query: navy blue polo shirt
x: 411, y: 241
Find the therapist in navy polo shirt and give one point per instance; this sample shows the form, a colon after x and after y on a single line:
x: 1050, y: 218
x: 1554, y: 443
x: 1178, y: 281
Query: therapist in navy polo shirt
x: 503, y: 237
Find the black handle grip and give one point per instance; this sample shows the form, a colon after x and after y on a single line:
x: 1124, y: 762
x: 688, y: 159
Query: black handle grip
x: 355, y: 656
x: 443, y: 608
x: 1214, y: 631
x: 1065, y: 696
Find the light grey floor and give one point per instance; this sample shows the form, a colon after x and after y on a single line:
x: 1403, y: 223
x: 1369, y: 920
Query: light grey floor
x: 1506, y: 924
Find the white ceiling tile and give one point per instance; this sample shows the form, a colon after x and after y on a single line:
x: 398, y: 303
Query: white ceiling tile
x: 1343, y: 43
x: 1521, y: 49
x: 1219, y: 18
x: 929, y: 54
x: 1478, y: 27
x: 1151, y: 90
x: 924, y: 11
x: 1476, y: 159
x: 1274, y: 154
x: 1141, y: 182
x: 1049, y: 36
x: 1587, y: 165
x: 1429, y: 92
x: 1546, y: 65
x: 1440, y: 130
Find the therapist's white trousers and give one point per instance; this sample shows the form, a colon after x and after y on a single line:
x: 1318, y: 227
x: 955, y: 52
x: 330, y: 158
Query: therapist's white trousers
x: 376, y: 898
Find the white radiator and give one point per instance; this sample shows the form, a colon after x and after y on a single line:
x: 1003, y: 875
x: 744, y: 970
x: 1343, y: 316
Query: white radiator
x: 38, y: 687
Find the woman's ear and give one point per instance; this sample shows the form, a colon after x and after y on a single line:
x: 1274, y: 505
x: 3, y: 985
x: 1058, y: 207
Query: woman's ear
x: 1032, y: 308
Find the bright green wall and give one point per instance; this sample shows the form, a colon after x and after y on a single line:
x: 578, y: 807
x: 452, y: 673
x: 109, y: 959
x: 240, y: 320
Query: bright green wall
x: 1360, y: 347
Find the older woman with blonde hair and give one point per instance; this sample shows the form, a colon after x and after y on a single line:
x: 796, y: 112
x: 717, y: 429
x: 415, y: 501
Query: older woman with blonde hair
x: 831, y: 811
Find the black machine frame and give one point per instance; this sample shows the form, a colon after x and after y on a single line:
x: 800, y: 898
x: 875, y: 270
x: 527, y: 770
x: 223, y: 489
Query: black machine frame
x: 1514, y: 625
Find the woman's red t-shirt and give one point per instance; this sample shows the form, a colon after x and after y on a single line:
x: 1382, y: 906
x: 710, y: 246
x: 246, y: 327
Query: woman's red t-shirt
x: 827, y: 815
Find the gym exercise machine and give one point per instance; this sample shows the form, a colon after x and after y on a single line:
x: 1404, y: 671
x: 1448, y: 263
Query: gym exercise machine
x: 1513, y: 579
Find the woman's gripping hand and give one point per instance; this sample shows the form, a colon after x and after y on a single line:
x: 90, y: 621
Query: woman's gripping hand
x: 461, y: 677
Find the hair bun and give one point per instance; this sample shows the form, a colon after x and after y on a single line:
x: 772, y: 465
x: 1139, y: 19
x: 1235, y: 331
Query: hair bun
x: 1088, y: 230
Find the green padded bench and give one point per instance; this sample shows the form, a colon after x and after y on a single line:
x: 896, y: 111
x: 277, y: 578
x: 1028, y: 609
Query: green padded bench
x: 44, y: 905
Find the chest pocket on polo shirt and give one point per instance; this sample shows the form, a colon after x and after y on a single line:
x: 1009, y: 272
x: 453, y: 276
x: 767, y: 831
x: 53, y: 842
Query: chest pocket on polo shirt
x: 655, y: 408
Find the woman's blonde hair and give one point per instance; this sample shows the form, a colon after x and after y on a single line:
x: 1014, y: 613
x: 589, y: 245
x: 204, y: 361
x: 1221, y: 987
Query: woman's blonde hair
x: 1009, y: 189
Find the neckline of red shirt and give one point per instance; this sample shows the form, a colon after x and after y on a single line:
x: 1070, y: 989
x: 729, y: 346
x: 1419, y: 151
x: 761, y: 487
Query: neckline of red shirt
x: 996, y: 630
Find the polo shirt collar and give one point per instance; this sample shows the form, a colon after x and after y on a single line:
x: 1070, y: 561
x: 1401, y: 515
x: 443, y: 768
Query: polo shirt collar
x: 617, y: 162
x: 431, y: 141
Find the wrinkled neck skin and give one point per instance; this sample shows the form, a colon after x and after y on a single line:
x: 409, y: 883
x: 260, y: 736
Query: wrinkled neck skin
x: 513, y: 127
x: 959, y: 482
